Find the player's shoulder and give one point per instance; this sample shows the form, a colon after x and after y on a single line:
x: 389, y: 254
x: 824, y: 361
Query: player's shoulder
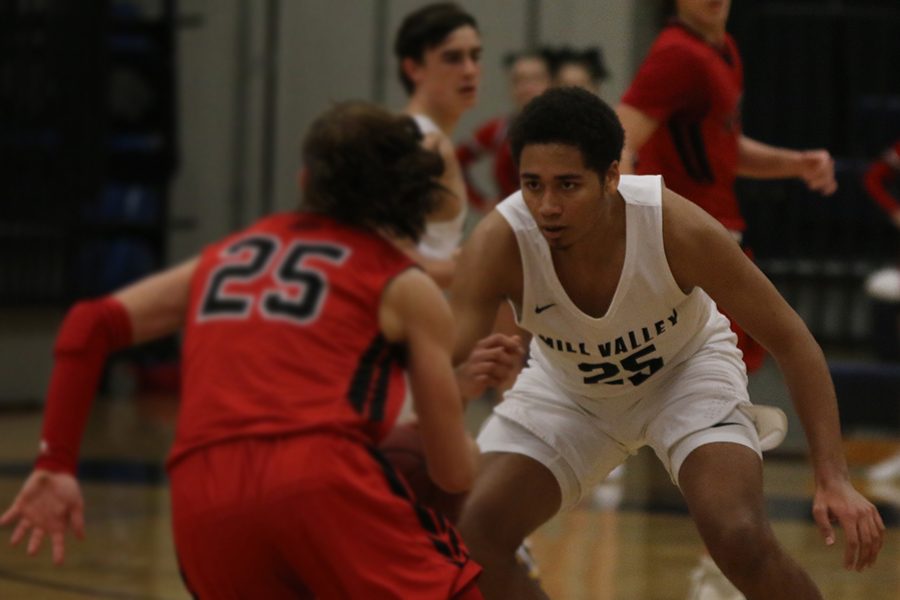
x: 687, y: 227
x: 493, y: 234
x: 676, y: 42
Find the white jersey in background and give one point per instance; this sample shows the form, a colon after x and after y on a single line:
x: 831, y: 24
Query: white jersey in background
x: 440, y: 238
x: 651, y: 326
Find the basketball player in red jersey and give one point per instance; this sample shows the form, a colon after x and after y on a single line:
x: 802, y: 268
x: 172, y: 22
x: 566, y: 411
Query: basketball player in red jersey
x: 682, y: 120
x: 295, y: 331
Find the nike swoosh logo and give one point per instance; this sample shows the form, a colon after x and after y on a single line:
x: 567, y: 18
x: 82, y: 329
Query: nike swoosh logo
x: 724, y: 423
x: 539, y: 309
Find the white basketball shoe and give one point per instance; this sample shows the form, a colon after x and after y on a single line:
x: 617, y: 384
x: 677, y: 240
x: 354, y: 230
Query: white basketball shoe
x: 708, y: 583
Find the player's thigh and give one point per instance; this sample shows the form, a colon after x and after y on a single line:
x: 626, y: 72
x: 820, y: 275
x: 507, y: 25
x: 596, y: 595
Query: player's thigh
x: 513, y: 495
x: 540, y: 420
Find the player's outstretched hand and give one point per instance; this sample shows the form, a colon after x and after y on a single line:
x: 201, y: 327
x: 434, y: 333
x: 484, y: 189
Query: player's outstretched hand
x: 493, y: 360
x: 817, y: 171
x: 47, y: 505
x: 863, y: 528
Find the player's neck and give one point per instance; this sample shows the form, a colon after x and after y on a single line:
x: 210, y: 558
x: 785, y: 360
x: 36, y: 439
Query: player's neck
x: 712, y: 34
x: 444, y: 119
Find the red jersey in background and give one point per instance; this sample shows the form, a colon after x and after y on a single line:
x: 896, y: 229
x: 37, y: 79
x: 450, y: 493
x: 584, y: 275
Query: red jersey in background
x: 490, y: 138
x: 694, y: 90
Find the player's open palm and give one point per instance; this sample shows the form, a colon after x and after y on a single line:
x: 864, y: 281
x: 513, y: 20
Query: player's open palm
x: 863, y: 528
x: 47, y: 505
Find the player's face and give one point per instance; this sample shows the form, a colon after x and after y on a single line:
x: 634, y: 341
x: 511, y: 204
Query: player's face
x: 450, y: 73
x: 528, y: 77
x: 563, y: 195
x: 706, y: 15
x: 574, y: 74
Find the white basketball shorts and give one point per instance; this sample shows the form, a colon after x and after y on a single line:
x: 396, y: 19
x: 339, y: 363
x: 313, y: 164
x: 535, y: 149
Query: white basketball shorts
x: 582, y: 439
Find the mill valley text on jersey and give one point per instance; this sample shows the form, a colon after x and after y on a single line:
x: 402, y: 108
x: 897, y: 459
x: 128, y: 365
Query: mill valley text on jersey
x: 632, y: 353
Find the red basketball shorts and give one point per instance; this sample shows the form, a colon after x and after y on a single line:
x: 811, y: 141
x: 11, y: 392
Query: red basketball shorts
x: 309, y: 516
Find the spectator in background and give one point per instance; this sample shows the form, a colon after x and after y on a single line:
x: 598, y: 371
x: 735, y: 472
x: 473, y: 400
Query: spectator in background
x: 580, y: 68
x: 529, y: 76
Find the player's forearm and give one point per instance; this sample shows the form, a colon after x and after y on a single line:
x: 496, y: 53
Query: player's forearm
x: 90, y: 332
x: 761, y: 161
x: 809, y: 382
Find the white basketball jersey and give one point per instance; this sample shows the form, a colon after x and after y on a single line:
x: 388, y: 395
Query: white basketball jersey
x: 440, y: 238
x: 651, y: 325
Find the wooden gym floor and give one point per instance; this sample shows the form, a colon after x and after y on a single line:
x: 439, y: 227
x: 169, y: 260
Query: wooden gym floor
x: 635, y: 543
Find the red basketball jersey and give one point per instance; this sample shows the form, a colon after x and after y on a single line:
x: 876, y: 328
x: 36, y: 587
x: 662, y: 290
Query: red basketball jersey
x: 694, y: 90
x: 282, y: 335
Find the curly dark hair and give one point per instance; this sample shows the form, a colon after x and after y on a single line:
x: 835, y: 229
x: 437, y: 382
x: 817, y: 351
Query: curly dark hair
x: 571, y: 116
x: 366, y: 167
x: 424, y: 29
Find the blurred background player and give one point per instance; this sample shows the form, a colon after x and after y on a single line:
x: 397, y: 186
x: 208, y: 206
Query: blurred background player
x: 438, y: 49
x: 682, y: 120
x: 882, y: 182
x: 294, y: 332
x: 580, y: 68
x: 529, y: 76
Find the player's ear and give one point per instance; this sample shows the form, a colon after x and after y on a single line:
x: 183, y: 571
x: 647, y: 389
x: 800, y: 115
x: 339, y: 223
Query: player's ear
x: 412, y: 68
x: 611, y: 179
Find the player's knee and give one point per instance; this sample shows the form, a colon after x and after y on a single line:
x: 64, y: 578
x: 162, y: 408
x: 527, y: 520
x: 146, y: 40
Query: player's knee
x: 741, y: 544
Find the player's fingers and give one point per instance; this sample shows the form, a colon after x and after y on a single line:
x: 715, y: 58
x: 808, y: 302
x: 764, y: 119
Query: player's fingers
x: 823, y: 523
x: 58, y: 541
x: 76, y: 521
x: 866, y: 545
x: 851, y: 544
x: 877, y: 534
x: 824, y: 184
x: 34, y: 544
x: 19, y: 532
x: 488, y: 357
x: 512, y: 343
x: 11, y: 514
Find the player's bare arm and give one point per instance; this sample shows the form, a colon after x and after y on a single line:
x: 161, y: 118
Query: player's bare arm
x: 762, y: 161
x: 638, y: 127
x: 702, y: 254
x: 490, y: 260
x: 441, y: 270
x: 50, y: 503
x: 414, y: 311
x: 157, y: 304
x: 454, y: 198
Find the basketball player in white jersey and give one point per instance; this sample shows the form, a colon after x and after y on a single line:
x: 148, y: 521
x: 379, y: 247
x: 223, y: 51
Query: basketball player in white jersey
x: 438, y: 49
x: 618, y: 279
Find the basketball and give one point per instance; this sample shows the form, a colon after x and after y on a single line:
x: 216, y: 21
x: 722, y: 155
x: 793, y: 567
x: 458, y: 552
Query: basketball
x: 403, y: 448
